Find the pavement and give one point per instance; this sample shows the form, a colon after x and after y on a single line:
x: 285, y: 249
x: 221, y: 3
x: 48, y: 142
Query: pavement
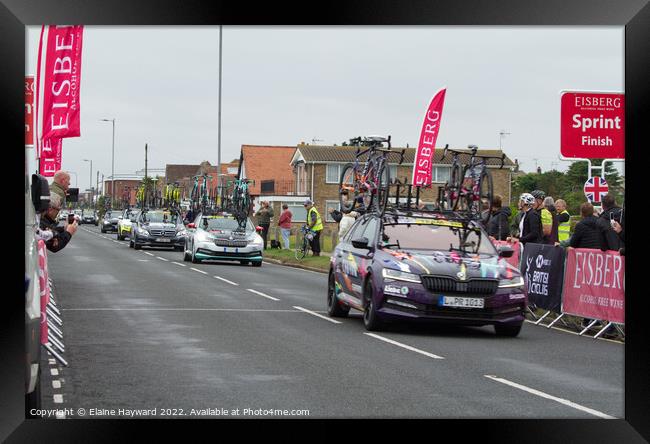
x: 147, y: 334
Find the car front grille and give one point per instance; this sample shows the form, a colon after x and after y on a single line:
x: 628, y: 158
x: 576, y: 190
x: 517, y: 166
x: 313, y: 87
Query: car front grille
x: 163, y: 233
x: 230, y: 243
x: 450, y: 285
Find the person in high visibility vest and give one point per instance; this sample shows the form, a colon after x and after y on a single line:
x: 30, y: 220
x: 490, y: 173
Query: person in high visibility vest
x: 563, y: 219
x: 315, y: 224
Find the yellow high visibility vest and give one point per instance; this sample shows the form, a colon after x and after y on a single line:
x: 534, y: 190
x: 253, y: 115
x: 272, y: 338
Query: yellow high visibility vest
x: 318, y: 226
x: 564, y: 229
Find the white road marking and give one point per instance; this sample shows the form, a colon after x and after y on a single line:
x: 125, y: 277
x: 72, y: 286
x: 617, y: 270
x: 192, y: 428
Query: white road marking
x: 226, y: 280
x: 162, y: 258
x: 200, y: 271
x: 58, y: 399
x: 262, y: 294
x: 146, y: 252
x: 51, y: 361
x: 552, y: 398
x: 143, y: 260
x: 334, y: 321
x: 56, y: 384
x: 408, y: 347
x: 181, y: 309
x: 54, y: 372
x: 178, y: 263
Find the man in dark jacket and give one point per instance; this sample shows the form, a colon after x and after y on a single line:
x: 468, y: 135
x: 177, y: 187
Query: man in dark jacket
x: 590, y: 231
x: 61, y: 236
x: 497, y: 226
x: 612, y: 212
x: 530, y: 227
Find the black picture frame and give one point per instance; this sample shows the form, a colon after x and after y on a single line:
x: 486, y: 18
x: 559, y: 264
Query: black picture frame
x: 633, y: 14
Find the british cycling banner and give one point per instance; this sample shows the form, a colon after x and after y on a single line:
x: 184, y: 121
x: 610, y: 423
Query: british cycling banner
x: 594, y: 285
x: 58, y: 82
x: 542, y: 267
x: 423, y: 164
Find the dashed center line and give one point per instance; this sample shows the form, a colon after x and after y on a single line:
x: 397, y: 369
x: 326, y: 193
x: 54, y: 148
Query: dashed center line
x: 334, y: 321
x: 197, y: 270
x: 553, y: 398
x: 178, y: 263
x: 162, y: 258
x: 146, y: 252
x: 407, y: 347
x: 58, y: 399
x: 226, y: 280
x: 54, y: 372
x: 56, y: 384
x: 262, y: 294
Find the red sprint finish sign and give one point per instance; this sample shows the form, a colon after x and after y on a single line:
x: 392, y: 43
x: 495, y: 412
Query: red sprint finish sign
x: 592, y: 125
x: 594, y: 284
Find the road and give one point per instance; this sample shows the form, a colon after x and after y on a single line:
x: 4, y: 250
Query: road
x: 144, y: 330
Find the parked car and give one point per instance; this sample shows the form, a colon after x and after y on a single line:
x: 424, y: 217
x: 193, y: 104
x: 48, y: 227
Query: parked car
x: 158, y: 228
x: 216, y: 237
x: 124, y: 225
x: 109, y: 223
x: 425, y: 267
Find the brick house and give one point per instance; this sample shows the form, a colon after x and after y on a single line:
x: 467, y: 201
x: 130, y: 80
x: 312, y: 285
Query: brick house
x: 125, y: 190
x: 318, y: 169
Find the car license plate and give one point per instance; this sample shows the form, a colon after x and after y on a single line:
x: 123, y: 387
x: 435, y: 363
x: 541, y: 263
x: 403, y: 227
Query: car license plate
x: 160, y: 239
x: 455, y: 301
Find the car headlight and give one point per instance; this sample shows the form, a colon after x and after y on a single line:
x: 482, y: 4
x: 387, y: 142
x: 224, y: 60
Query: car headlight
x: 512, y: 283
x: 143, y: 231
x: 400, y: 275
x: 181, y: 233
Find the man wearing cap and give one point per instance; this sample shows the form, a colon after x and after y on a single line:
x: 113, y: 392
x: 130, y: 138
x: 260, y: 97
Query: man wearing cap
x: 315, y: 223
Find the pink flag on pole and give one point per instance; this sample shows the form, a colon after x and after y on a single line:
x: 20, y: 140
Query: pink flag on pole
x: 51, y: 153
x: 423, y: 165
x: 58, y: 82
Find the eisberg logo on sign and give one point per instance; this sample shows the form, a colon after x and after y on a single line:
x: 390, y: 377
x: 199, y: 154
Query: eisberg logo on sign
x: 592, y: 125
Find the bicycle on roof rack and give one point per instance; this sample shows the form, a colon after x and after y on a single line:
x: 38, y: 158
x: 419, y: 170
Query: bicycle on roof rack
x: 470, y: 185
x: 364, y: 188
x: 241, y: 201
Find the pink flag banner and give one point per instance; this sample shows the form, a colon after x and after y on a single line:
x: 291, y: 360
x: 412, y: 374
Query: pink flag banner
x: 43, y: 280
x: 58, y: 82
x: 423, y: 164
x: 51, y: 153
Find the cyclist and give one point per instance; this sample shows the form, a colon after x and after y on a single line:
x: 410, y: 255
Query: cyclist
x: 315, y: 224
x: 530, y: 226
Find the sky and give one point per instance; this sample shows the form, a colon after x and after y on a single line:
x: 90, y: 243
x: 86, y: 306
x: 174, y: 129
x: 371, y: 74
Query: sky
x: 325, y: 85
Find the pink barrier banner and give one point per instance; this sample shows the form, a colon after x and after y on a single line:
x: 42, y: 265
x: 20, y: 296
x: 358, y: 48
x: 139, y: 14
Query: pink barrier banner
x: 58, y: 82
x: 51, y: 153
x: 516, y: 256
x: 594, y: 284
x: 43, y: 281
x: 423, y: 164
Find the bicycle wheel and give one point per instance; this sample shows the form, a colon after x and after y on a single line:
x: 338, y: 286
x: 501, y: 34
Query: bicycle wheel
x: 368, y: 195
x: 383, y: 190
x: 452, y: 192
x: 485, y: 193
x: 301, y: 250
x: 348, y: 188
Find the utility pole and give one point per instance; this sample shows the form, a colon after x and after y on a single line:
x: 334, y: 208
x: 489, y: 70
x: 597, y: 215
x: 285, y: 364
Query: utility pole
x: 97, y: 188
x: 219, y: 131
x: 145, y: 176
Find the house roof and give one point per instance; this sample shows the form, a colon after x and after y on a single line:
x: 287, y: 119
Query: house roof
x: 174, y: 173
x: 262, y: 162
x: 318, y: 153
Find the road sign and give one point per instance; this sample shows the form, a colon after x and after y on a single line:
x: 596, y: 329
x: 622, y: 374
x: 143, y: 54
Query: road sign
x: 595, y: 189
x: 592, y: 125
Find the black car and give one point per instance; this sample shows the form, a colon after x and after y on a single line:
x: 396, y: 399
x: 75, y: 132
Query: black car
x: 425, y: 267
x: 109, y: 223
x: 89, y: 217
x: 158, y: 228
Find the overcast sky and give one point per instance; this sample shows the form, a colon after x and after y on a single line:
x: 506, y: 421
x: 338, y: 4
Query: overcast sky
x: 285, y: 85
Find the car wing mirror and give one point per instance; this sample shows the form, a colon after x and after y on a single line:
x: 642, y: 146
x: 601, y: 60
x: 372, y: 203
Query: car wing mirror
x: 191, y: 225
x: 361, y: 242
x: 259, y: 229
x: 505, y: 251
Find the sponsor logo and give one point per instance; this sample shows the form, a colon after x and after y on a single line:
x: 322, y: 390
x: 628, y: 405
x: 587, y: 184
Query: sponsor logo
x: 462, y: 274
x: 395, y: 290
x: 540, y: 262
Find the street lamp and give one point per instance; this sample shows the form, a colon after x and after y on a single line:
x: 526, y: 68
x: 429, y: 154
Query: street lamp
x: 501, y: 134
x: 90, y: 186
x: 113, y: 160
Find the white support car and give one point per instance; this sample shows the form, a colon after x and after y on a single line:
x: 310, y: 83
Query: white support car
x: 218, y: 238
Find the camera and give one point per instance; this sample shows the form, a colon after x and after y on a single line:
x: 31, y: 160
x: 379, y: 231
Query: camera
x: 71, y: 218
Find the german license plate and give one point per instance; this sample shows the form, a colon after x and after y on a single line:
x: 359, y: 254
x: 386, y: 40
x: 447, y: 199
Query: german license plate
x: 455, y: 301
x: 160, y: 239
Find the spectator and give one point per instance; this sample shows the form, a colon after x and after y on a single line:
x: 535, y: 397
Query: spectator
x: 618, y: 229
x: 514, y: 228
x: 590, y: 231
x: 285, y: 225
x: 485, y: 212
x: 60, y: 185
x: 60, y: 235
x: 530, y: 226
x: 612, y: 212
x: 336, y: 214
x: 550, y: 230
x: 497, y: 226
x: 315, y: 223
x: 346, y: 222
x: 563, y: 219
x: 264, y: 215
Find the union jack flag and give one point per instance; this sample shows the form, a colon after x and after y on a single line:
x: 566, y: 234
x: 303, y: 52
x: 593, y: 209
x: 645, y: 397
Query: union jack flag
x: 596, y: 188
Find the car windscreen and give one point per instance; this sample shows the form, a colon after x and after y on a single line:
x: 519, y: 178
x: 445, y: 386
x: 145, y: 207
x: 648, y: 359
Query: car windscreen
x: 223, y: 223
x: 160, y: 217
x: 112, y: 215
x: 436, y: 237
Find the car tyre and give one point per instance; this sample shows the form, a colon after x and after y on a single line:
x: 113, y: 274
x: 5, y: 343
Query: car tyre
x: 135, y: 244
x: 186, y: 257
x: 257, y: 263
x: 130, y: 243
x: 102, y: 230
x: 195, y: 260
x: 370, y: 317
x: 334, y: 307
x: 244, y: 262
x: 507, y: 330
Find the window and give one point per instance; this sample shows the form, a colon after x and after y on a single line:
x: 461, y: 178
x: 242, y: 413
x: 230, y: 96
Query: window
x: 370, y: 232
x: 298, y: 211
x: 267, y: 186
x: 331, y: 204
x: 392, y: 170
x: 301, y: 174
x: 440, y: 174
x: 333, y: 174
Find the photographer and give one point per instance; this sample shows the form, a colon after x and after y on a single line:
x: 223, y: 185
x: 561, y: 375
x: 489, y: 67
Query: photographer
x: 61, y: 236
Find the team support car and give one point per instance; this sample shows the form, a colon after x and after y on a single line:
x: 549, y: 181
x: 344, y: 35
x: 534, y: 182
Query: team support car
x: 89, y: 217
x: 109, y: 223
x: 217, y: 237
x: 158, y: 228
x: 125, y: 224
x: 425, y: 267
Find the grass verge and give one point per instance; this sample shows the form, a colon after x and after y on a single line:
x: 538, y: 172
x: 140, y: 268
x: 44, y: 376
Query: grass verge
x: 287, y: 257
